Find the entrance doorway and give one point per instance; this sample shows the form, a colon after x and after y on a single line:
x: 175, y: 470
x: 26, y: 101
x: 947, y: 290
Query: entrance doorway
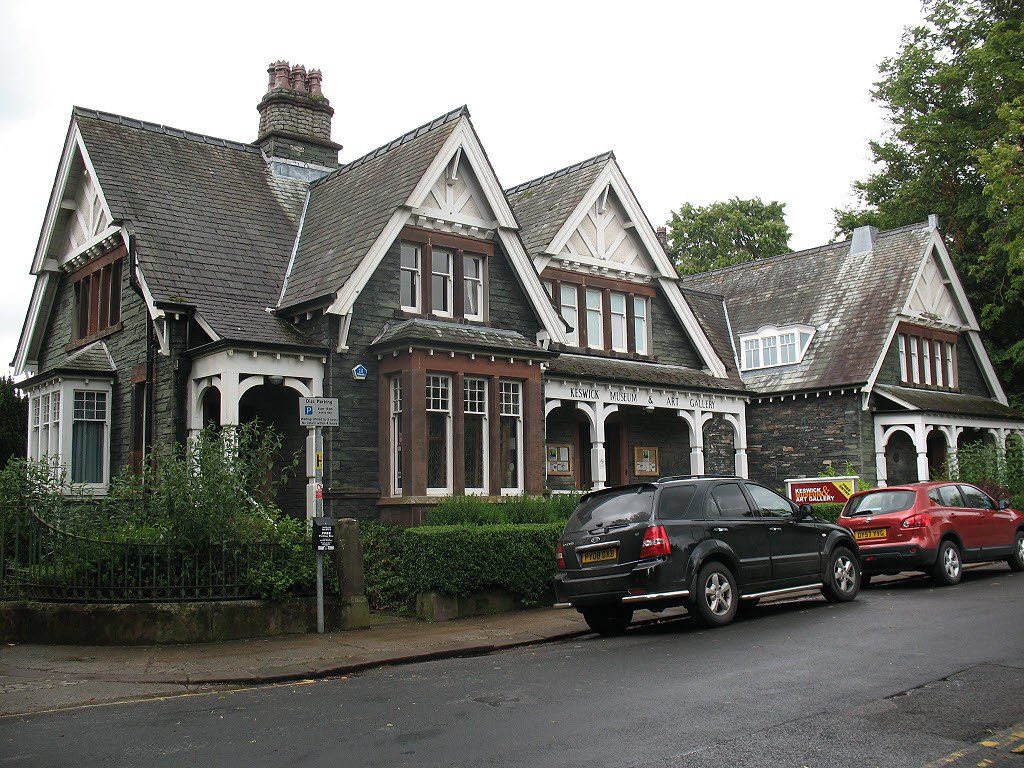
x: 613, y: 446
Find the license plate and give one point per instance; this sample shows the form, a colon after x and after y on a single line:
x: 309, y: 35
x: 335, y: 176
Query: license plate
x: 592, y: 556
x: 869, y: 534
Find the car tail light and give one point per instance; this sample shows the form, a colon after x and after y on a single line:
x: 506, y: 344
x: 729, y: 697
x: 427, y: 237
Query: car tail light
x: 655, y: 542
x: 559, y: 556
x: 916, y: 521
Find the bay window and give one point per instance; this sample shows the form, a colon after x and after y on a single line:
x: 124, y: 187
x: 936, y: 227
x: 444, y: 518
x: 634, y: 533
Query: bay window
x: 474, y: 411
x: 595, y: 320
x: 441, y: 282
x: 510, y: 437
x: 88, y: 437
x: 640, y: 329
x: 409, y: 281
x: 617, y: 308
x: 76, y: 439
x: 570, y: 312
x: 439, y: 435
x: 396, y: 436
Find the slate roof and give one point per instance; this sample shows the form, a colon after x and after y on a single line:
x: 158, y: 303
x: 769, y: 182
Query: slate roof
x: 948, y: 402
x: 92, y: 359
x: 851, y: 301
x: 632, y: 372
x: 543, y: 205
x: 709, y: 309
x: 420, y: 331
x: 213, y: 228
x: 350, y: 207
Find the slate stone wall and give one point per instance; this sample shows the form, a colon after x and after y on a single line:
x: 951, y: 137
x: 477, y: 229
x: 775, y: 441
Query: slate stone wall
x: 719, y: 446
x: 668, y: 339
x: 563, y: 427
x: 972, y: 382
x: 793, y: 438
x: 662, y: 430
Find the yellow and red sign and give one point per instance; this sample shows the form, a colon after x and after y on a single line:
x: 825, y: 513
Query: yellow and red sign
x: 821, y: 490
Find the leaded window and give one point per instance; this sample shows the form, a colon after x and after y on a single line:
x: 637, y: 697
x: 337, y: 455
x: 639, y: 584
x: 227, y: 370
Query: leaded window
x: 439, y: 422
x: 474, y: 410
x: 510, y: 438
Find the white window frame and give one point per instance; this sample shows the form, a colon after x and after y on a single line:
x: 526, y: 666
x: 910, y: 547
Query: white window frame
x: 926, y: 351
x: 767, y: 342
x: 940, y: 365
x: 447, y: 489
x: 486, y: 458
x: 951, y: 381
x: 479, y: 282
x: 915, y: 367
x: 396, y: 435
x: 60, y: 395
x: 509, y: 407
x: 570, y: 290
x: 902, y: 343
x: 599, y: 310
x: 621, y: 318
x: 417, y: 277
x: 449, y: 277
x: 641, y: 325
x: 788, y: 343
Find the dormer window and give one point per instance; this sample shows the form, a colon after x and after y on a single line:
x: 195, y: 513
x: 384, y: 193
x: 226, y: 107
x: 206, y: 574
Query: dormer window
x: 771, y: 347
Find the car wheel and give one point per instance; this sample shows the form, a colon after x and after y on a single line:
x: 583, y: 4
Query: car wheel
x: 608, y: 621
x: 716, y: 599
x: 948, y: 568
x: 842, y: 578
x: 1016, y: 560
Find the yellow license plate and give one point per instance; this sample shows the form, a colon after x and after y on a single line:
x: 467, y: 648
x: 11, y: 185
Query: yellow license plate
x: 868, y: 535
x: 599, y: 555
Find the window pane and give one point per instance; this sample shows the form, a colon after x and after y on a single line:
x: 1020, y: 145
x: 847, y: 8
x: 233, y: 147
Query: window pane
x: 949, y: 496
x: 939, y: 367
x: 410, y: 289
x: 509, y: 451
x: 115, y: 292
x: 901, y: 342
x: 768, y: 502
x: 618, y: 318
x: 410, y: 256
x: 751, y: 354
x: 441, y: 280
x: 87, y: 452
x: 950, y: 378
x: 475, y: 436
x: 787, y: 351
x: 570, y: 313
x: 975, y: 499
x: 437, y: 450
x: 731, y: 501
x: 474, y: 398
x: 674, y: 503
x: 437, y: 393
x: 595, y: 325
x: 769, y: 350
x: 915, y: 369
x: 927, y: 349
x: 396, y: 433
x: 640, y: 324
x: 472, y: 270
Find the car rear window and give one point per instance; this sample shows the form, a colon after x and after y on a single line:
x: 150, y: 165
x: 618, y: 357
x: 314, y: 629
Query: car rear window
x: 631, y: 504
x: 879, y: 503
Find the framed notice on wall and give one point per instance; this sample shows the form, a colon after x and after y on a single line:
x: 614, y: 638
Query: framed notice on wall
x: 645, y: 462
x: 559, y: 459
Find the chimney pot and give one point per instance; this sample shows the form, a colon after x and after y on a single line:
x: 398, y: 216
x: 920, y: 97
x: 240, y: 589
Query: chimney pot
x: 299, y: 78
x: 662, y: 234
x: 281, y: 75
x: 313, y: 79
x: 863, y: 240
x: 933, y: 221
x: 270, y: 72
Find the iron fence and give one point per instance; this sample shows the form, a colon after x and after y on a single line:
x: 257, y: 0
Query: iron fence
x: 40, y: 561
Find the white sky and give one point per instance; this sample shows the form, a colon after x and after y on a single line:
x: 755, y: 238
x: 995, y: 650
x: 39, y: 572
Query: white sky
x: 700, y: 102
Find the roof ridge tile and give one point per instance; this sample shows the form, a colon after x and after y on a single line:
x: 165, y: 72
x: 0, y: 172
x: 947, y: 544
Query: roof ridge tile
x: 177, y: 133
x: 578, y: 166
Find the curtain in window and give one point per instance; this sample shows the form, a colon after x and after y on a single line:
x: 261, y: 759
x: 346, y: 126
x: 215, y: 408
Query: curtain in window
x: 87, y: 452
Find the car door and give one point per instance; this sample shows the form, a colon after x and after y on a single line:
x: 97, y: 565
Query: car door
x: 680, y: 510
x: 795, y: 546
x: 995, y: 535
x: 732, y: 520
x: 973, y: 521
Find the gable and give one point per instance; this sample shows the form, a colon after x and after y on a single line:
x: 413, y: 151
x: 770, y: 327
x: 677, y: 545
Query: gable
x: 606, y: 238
x: 456, y: 198
x: 932, y: 298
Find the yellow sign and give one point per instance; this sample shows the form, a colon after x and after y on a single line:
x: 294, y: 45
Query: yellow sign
x: 319, y: 461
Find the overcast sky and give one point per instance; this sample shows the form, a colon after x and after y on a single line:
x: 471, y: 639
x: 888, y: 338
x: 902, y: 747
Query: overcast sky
x: 700, y: 101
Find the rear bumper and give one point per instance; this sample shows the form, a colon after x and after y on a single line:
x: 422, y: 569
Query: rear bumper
x: 640, y: 587
x: 895, y: 558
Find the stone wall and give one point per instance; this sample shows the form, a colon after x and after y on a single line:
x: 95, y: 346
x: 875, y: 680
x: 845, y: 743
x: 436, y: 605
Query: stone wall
x: 563, y: 427
x: 669, y: 342
x: 793, y: 438
x: 663, y: 430
x: 719, y: 446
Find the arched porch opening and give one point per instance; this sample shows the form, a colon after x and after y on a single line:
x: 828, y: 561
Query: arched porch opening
x: 568, y: 449
x: 900, y: 458
x: 210, y: 407
x: 719, y: 446
x: 938, y: 454
x: 277, y: 405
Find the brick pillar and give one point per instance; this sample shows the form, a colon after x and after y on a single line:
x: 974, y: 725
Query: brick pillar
x: 414, y: 428
x: 533, y: 434
x: 458, y: 436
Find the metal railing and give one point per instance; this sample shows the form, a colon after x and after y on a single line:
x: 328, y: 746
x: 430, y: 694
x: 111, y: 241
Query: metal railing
x: 39, y: 561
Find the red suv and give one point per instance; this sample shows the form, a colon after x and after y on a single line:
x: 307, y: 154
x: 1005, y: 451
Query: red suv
x: 933, y: 527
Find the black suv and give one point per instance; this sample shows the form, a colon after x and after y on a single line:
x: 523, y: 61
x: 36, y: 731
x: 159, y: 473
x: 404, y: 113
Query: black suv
x: 702, y: 542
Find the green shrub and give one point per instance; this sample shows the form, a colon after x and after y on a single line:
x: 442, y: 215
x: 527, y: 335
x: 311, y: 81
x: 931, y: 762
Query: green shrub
x: 512, y: 510
x: 460, y: 560
x: 828, y: 512
x: 387, y: 587
x: 997, y: 471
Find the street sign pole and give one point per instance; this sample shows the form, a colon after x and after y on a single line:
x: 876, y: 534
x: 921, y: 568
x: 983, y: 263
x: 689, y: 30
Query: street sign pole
x: 318, y: 444
x: 319, y: 412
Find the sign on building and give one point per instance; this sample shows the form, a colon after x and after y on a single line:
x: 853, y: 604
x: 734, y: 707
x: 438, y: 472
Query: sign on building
x: 822, y: 490
x: 318, y: 411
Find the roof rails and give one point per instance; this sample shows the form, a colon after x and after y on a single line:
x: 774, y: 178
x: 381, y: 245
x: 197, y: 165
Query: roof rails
x: 696, y: 477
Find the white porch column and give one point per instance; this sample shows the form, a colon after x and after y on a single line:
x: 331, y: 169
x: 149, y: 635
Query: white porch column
x: 921, y: 446
x: 881, y: 470
x: 739, y: 425
x: 596, y: 414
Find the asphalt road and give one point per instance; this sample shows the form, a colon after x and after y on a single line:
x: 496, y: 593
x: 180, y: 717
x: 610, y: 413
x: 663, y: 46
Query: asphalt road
x: 906, y: 675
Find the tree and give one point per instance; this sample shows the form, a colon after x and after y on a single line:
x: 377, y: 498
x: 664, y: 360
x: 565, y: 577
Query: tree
x: 725, y: 233
x: 13, y: 421
x: 952, y: 93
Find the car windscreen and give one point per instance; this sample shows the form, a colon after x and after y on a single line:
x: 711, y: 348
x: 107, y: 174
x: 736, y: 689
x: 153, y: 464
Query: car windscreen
x: 620, y: 506
x: 880, y: 503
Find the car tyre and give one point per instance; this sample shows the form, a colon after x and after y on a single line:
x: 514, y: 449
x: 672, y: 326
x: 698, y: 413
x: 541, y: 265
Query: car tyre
x: 716, y: 598
x: 1016, y: 560
x: 948, y: 568
x: 842, y: 579
x: 608, y: 622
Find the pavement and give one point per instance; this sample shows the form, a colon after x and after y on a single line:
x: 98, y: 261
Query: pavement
x: 36, y: 677
x: 907, y: 675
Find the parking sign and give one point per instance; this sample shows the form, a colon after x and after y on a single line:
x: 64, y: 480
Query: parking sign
x: 318, y: 411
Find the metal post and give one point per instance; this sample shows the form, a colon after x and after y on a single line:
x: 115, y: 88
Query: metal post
x: 318, y: 477
x: 320, y: 592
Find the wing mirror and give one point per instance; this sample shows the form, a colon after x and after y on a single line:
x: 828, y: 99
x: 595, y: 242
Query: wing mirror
x: 1004, y: 504
x: 804, y: 511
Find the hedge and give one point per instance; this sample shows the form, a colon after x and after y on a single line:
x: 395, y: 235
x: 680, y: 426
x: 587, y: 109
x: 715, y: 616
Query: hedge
x: 471, y: 510
x: 829, y: 512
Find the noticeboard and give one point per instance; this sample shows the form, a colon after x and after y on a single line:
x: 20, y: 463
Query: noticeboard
x: 822, y: 490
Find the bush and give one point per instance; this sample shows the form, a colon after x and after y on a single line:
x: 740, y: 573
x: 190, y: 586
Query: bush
x: 460, y: 560
x: 384, y: 572
x: 997, y: 471
x: 512, y: 510
x: 828, y: 512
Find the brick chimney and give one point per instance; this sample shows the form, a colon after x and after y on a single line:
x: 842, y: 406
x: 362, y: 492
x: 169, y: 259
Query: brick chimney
x: 295, y: 118
x: 662, y: 234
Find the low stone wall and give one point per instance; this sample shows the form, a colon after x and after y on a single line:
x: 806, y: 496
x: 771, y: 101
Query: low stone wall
x: 434, y: 606
x: 157, y: 623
